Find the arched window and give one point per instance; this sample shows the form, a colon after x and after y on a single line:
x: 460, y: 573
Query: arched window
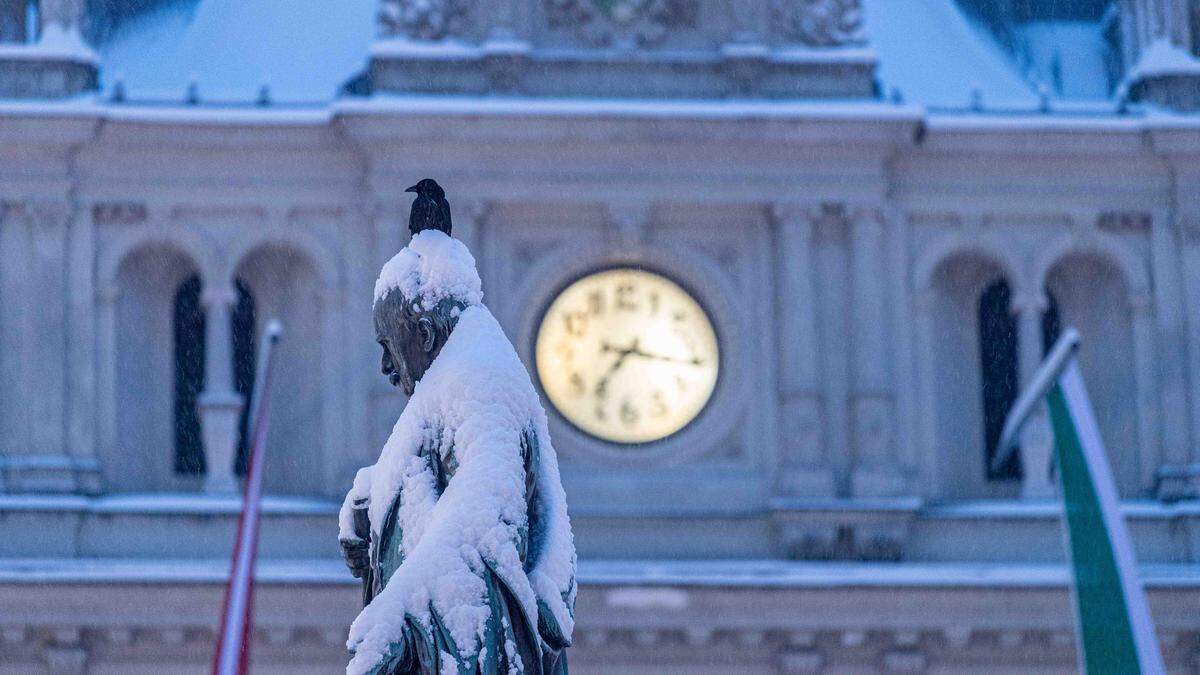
x: 243, y: 364
x: 189, y: 330
x: 188, y: 327
x: 998, y: 370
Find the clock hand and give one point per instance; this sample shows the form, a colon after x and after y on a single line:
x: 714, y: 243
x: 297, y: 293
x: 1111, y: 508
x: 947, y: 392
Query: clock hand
x: 694, y: 361
x: 622, y: 354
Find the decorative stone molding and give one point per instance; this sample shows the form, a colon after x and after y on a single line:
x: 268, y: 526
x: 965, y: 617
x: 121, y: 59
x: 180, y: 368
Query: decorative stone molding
x: 1124, y: 221
x: 869, y: 530
x: 911, y: 648
x: 744, y: 66
x: 622, y: 23
x: 423, y: 19
x: 904, y: 661
x: 801, y: 661
x: 803, y: 445
x: 873, y: 428
x: 630, y: 222
x: 37, y: 213
x: 505, y: 64
x: 119, y: 213
x: 820, y: 23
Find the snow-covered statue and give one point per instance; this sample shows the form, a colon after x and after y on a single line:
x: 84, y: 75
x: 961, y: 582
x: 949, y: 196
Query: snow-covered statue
x: 460, y: 530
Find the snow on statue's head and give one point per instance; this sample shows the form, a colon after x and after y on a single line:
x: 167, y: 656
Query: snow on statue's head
x: 419, y: 296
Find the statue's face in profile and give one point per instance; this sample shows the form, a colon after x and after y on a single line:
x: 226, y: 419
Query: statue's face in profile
x: 409, y: 342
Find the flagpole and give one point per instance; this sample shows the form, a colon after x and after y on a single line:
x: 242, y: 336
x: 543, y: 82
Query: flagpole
x: 1046, y: 376
x: 233, y: 641
x: 1114, y: 628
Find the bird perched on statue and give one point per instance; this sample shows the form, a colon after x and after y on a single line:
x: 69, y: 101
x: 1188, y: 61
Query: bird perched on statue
x: 430, y: 210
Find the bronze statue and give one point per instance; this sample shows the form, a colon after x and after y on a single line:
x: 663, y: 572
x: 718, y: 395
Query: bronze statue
x: 459, y: 532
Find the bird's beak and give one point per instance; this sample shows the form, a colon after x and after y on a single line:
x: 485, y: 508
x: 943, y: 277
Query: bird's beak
x: 411, y: 189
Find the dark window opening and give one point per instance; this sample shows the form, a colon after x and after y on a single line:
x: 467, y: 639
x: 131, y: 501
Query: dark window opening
x: 243, y: 365
x: 998, y: 365
x: 188, y: 324
x: 1051, y: 324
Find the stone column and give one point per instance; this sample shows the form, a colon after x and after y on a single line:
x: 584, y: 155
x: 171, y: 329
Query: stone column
x: 220, y: 406
x: 876, y: 472
x: 804, y: 469
x: 1037, y: 439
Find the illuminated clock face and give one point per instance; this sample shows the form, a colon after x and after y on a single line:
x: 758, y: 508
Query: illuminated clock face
x: 627, y: 356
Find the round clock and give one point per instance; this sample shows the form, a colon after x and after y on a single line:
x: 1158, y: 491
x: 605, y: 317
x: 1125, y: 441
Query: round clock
x: 627, y: 355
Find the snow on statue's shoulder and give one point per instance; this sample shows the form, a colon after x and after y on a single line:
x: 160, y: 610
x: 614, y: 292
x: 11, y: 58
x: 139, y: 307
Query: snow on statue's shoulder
x: 433, y: 267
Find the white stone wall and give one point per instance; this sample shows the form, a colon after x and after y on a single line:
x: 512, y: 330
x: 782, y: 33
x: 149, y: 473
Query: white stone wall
x: 840, y: 253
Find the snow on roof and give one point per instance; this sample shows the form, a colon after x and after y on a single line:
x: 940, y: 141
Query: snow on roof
x: 1069, y: 56
x: 304, y: 50
x: 1162, y: 58
x: 935, y: 56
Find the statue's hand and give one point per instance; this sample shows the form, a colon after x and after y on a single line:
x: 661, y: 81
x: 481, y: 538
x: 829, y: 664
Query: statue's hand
x: 358, y: 556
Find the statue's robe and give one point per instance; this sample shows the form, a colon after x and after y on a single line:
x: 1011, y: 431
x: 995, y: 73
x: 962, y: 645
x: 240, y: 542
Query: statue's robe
x: 513, y: 642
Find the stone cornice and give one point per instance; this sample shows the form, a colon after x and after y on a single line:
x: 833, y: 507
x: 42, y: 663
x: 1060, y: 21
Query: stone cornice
x: 891, y: 625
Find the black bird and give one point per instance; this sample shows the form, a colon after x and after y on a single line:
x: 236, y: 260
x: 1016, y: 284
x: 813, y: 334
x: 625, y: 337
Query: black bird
x: 430, y: 210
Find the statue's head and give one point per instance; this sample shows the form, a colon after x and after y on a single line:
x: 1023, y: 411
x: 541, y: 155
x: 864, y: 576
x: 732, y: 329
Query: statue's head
x: 419, y: 296
x: 411, y: 336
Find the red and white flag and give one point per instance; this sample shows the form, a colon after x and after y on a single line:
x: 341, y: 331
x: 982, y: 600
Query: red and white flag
x: 232, y: 656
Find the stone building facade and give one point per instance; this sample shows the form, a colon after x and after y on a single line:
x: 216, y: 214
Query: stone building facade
x: 882, y: 269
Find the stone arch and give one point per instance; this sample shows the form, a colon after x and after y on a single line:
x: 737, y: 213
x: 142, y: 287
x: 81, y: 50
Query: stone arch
x: 1093, y: 294
x: 958, y: 246
x: 303, y: 244
x: 1133, y: 272
x: 287, y: 283
x: 187, y: 243
x: 144, y: 283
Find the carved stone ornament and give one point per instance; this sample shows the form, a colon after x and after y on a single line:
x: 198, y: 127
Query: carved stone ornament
x: 627, y: 23
x: 820, y: 23
x: 423, y: 19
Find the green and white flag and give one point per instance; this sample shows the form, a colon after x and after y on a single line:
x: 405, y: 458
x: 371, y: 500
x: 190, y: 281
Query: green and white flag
x: 1115, y: 632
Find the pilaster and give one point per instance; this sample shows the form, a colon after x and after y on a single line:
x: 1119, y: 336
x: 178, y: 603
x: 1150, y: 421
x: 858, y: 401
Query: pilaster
x: 1179, y: 477
x: 805, y: 469
x: 876, y: 472
x: 1170, y: 440
x: 42, y: 355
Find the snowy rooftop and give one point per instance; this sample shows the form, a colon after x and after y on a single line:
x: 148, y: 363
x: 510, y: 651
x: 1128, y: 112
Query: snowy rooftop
x: 305, y: 50
x: 928, y: 50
